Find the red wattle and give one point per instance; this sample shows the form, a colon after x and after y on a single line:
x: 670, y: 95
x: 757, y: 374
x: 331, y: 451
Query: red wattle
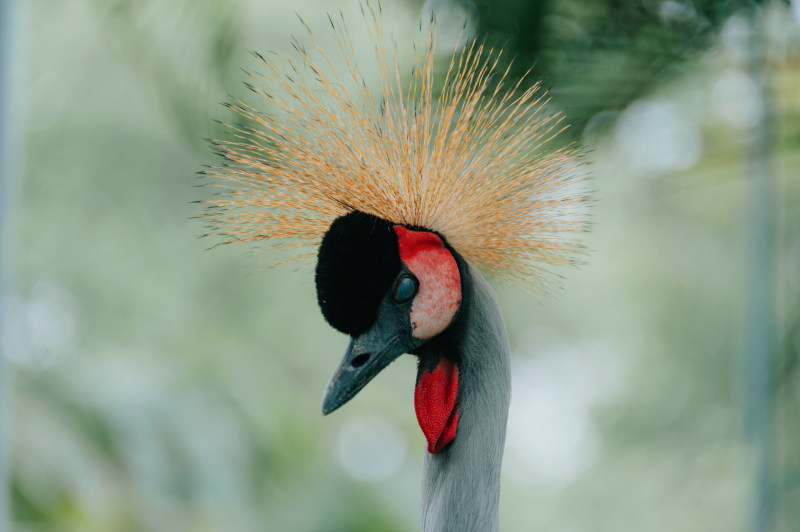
x: 435, y: 403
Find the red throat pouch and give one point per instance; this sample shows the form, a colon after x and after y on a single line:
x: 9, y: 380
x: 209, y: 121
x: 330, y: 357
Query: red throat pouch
x: 435, y: 403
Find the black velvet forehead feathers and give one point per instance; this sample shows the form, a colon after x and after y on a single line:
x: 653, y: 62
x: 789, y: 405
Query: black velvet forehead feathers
x: 357, y: 263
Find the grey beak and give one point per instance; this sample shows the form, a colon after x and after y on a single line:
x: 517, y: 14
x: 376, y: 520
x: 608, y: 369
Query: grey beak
x: 360, y: 364
x: 368, y: 354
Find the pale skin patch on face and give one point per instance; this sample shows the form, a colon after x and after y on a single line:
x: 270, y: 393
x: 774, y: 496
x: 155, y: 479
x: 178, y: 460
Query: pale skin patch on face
x: 439, y: 296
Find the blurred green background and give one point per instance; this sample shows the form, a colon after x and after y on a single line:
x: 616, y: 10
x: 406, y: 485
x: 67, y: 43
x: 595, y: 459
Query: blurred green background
x: 152, y: 385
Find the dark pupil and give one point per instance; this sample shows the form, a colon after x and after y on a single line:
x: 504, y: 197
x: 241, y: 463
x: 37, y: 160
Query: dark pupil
x: 405, y: 289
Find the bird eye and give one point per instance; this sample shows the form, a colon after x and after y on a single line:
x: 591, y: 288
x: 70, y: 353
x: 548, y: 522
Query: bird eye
x: 404, y: 289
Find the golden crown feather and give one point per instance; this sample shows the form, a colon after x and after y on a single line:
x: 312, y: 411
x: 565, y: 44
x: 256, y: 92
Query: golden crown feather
x: 471, y: 163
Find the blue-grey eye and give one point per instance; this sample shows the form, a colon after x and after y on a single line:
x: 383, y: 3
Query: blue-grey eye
x: 404, y: 289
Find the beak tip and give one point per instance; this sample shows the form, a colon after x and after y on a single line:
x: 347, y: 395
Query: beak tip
x: 328, y: 404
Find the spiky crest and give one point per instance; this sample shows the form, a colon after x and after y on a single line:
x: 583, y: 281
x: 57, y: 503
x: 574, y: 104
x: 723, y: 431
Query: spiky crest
x: 471, y: 164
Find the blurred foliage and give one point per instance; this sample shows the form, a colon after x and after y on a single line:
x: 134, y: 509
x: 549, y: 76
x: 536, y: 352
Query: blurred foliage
x: 602, y: 55
x: 158, y: 386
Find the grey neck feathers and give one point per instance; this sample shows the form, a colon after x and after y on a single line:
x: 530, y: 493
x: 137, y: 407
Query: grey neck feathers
x: 461, y: 484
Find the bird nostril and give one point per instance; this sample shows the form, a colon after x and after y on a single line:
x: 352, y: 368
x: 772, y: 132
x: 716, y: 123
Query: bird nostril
x: 360, y: 360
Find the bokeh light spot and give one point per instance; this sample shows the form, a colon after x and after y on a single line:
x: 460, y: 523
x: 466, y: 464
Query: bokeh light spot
x: 370, y: 448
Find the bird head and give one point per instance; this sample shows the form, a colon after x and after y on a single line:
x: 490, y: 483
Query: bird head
x: 469, y: 159
x: 390, y: 287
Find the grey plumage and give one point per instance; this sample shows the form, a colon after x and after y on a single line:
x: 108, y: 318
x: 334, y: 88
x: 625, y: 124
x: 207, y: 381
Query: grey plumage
x: 461, y: 484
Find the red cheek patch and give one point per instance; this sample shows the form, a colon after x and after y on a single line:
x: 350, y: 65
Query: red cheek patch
x: 435, y: 404
x: 439, y: 296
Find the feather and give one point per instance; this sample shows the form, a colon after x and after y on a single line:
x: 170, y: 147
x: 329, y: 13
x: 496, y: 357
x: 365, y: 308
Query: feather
x: 468, y: 156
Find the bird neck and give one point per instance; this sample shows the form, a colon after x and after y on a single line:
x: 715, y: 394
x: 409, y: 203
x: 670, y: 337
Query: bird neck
x: 461, y: 483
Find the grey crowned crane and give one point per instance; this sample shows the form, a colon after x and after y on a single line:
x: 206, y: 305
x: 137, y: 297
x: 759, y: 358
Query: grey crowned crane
x: 406, y: 199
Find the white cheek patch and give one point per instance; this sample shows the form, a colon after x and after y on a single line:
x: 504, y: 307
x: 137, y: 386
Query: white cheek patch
x: 439, y: 296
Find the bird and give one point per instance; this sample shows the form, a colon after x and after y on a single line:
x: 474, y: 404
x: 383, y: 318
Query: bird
x: 409, y: 191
